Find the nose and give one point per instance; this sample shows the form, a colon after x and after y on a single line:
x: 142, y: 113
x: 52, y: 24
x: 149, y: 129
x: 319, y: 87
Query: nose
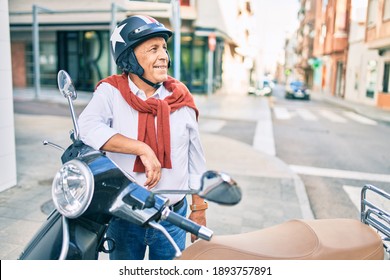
x: 163, y: 55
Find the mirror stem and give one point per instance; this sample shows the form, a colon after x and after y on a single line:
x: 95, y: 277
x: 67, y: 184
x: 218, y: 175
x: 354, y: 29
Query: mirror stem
x: 75, y: 124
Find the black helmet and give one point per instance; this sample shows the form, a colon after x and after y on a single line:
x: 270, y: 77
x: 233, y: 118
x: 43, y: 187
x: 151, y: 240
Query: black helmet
x: 131, y: 32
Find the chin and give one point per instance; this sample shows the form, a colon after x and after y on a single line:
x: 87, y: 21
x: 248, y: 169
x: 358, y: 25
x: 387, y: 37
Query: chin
x: 162, y: 78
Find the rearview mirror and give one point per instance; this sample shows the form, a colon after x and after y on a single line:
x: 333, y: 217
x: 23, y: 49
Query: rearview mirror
x: 220, y: 188
x: 65, y: 85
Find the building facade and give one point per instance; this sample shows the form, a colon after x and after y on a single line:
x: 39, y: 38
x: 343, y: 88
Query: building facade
x: 305, y: 37
x: 77, y: 39
x: 377, y: 39
x: 331, y: 46
x: 360, y: 77
x: 7, y: 147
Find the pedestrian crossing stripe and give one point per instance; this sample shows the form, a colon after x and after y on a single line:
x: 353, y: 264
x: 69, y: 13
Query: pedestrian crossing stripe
x: 332, y: 116
x: 360, y: 118
x: 282, y: 113
x: 307, y: 115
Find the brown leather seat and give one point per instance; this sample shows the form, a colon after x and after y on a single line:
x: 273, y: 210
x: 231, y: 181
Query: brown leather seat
x: 327, y: 239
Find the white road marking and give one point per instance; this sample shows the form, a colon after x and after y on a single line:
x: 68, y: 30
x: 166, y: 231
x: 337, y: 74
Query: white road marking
x: 264, y: 135
x: 307, y: 115
x: 332, y: 116
x: 359, y: 118
x: 354, y: 194
x: 337, y: 173
x: 211, y: 125
x: 281, y: 113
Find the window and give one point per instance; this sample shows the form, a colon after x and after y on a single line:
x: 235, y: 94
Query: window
x: 371, y: 78
x: 386, y: 10
x: 372, y: 13
x: 324, y: 5
x: 386, y: 78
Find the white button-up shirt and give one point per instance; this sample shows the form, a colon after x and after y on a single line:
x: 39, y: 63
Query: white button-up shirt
x: 108, y: 114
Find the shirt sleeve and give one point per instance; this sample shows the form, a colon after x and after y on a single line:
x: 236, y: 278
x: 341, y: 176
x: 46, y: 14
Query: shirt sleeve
x: 196, y: 161
x: 96, y: 119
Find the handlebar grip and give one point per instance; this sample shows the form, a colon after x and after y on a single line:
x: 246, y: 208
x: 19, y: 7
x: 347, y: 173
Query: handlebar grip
x: 188, y: 225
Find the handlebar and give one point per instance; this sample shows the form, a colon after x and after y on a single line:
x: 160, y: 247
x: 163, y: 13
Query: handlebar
x: 186, y: 224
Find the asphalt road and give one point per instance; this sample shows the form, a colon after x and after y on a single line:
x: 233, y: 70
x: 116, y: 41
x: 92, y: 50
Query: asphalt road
x: 335, y: 151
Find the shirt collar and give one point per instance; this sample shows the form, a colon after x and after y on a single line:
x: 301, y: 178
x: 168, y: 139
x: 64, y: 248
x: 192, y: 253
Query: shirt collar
x: 141, y: 94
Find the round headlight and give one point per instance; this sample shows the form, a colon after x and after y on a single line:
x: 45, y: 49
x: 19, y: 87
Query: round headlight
x: 73, y: 188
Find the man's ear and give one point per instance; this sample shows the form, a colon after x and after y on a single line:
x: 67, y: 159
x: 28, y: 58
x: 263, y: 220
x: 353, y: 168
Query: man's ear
x: 134, y: 66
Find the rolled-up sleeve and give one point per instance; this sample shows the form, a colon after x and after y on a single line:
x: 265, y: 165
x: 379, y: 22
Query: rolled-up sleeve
x: 96, y: 119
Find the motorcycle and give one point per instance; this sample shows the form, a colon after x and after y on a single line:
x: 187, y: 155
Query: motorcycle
x: 90, y: 189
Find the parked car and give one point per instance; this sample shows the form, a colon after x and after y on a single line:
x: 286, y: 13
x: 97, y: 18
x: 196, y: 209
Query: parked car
x: 262, y: 88
x: 297, y: 89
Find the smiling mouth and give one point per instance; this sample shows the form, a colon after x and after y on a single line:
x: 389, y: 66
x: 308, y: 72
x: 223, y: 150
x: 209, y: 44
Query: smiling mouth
x: 160, y: 67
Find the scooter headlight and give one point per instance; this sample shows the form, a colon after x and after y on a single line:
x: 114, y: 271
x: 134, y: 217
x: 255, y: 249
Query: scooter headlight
x: 73, y: 188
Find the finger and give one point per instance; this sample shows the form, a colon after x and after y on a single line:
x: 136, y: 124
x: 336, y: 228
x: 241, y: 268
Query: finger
x: 193, y: 238
x: 154, y: 178
x: 148, y: 178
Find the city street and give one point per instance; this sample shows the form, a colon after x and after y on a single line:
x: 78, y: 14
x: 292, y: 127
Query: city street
x: 333, y: 149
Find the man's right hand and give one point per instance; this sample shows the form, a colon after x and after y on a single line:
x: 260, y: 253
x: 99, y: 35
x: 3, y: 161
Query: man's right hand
x: 152, y: 168
x: 122, y: 144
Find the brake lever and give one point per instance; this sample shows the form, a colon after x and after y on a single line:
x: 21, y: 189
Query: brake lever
x: 159, y: 227
x: 51, y: 144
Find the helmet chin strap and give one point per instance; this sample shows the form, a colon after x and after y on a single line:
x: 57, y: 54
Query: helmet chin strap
x: 156, y: 86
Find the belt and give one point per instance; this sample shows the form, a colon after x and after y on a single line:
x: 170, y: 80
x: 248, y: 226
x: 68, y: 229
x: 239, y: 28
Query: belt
x: 177, y: 206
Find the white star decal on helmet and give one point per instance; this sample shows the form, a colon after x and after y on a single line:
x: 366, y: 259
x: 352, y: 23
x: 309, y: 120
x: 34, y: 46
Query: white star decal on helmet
x: 116, y: 36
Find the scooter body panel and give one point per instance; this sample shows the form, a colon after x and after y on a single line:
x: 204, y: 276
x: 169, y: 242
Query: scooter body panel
x: 46, y: 243
x: 85, y: 240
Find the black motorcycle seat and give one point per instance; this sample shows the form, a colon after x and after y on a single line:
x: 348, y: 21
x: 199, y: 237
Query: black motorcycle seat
x: 324, y: 239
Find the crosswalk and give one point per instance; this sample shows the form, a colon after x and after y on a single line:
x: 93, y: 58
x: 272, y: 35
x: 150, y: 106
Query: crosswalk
x: 315, y: 115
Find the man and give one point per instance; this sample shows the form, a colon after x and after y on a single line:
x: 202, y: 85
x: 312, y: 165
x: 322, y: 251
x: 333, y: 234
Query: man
x: 146, y: 121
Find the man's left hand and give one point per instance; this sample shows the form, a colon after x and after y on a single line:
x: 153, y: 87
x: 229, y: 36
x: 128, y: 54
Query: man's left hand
x: 198, y: 217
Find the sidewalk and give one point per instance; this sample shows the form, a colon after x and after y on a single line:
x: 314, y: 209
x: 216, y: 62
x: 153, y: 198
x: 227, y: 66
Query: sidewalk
x: 272, y: 193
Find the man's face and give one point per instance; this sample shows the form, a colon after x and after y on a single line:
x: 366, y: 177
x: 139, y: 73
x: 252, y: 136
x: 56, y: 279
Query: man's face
x: 152, y: 56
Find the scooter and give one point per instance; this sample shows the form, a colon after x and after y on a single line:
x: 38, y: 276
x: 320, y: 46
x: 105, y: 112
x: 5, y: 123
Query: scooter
x: 323, y: 239
x: 90, y: 189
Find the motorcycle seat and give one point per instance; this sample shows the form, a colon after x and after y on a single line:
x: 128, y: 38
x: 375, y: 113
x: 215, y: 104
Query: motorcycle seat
x: 323, y: 239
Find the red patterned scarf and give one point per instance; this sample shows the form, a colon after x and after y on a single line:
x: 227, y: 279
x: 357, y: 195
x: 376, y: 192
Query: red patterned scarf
x: 152, y: 107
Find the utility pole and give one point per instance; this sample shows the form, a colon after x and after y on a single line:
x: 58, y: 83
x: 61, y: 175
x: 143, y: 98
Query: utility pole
x: 212, y: 43
x: 176, y: 23
x: 35, y: 33
x: 114, y: 8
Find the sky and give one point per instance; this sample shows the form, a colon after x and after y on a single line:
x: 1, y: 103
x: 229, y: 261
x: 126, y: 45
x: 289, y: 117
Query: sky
x: 275, y: 19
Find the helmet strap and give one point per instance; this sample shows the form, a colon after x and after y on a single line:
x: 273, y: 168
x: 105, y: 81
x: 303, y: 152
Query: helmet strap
x: 156, y: 86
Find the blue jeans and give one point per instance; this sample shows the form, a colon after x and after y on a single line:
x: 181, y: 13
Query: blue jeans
x: 131, y: 240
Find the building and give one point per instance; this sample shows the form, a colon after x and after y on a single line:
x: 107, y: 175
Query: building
x: 7, y: 147
x: 76, y: 39
x: 377, y: 38
x: 360, y: 78
x: 330, y: 48
x: 305, y: 34
x: 287, y: 70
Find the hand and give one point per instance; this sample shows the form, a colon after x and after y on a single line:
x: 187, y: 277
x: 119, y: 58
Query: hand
x: 152, y: 168
x: 122, y: 144
x: 198, y: 217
